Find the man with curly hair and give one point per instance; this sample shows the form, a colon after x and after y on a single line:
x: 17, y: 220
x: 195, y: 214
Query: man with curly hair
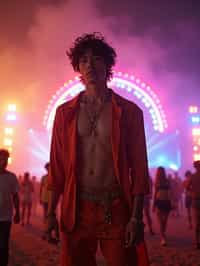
x: 98, y: 163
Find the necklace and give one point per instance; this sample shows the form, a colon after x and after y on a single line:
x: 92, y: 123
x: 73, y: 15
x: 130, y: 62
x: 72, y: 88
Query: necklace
x: 94, y: 115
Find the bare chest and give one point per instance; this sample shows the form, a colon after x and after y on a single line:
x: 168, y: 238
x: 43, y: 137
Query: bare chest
x: 95, y: 121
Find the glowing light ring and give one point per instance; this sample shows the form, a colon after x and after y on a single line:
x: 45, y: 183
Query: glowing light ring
x: 145, y: 98
x: 122, y: 81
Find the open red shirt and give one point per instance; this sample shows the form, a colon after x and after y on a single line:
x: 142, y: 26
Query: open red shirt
x: 128, y: 149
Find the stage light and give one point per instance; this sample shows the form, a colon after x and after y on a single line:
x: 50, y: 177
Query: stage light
x: 196, y: 157
x: 196, y: 131
x: 8, y: 130
x: 195, y: 119
x: 173, y: 166
x: 193, y: 109
x: 8, y: 142
x: 195, y: 148
x: 12, y: 107
x: 11, y: 117
x: 9, y: 160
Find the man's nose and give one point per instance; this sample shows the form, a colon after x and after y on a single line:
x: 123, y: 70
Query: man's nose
x: 90, y: 62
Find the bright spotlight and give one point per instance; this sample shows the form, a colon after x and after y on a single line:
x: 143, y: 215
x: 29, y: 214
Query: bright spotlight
x: 12, y: 107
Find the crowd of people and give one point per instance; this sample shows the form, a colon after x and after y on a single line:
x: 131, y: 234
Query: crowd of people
x: 170, y: 196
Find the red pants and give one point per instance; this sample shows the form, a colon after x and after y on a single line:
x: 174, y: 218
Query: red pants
x: 79, y: 247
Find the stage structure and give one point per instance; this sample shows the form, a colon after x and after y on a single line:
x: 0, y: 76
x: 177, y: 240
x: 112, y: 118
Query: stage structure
x: 194, y: 112
x: 162, y: 142
x: 9, y: 130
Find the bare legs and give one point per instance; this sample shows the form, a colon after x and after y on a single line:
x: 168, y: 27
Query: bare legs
x: 162, y: 220
x: 26, y: 211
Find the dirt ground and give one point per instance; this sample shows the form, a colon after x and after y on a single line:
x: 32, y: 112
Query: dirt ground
x: 28, y: 249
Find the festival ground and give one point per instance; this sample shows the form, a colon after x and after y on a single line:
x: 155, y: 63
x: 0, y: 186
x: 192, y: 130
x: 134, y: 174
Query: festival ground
x: 28, y: 249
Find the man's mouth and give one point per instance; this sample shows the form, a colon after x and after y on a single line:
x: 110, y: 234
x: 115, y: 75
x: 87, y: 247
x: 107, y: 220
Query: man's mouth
x: 91, y: 73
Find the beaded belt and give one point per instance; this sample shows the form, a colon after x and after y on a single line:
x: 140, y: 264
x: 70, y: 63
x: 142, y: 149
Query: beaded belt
x: 103, y: 197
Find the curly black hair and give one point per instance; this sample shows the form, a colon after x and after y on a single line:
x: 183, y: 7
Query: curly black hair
x: 96, y: 42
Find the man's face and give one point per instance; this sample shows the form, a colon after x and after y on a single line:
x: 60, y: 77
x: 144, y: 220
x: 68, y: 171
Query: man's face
x: 3, y: 162
x: 92, y: 68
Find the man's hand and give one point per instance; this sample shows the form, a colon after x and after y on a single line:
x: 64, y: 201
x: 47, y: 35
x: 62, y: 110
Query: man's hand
x: 134, y: 233
x: 16, y: 218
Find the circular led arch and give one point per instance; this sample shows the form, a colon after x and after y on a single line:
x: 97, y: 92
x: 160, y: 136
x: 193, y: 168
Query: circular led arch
x: 126, y: 82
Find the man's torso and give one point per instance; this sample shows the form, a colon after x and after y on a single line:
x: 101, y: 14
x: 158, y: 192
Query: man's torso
x: 27, y: 191
x: 8, y: 186
x: 95, y: 162
x: 195, y: 185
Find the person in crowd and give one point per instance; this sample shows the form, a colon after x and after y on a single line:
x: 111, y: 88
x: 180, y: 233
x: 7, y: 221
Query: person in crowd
x: 44, y: 192
x: 188, y: 198
x: 44, y: 199
x: 35, y: 194
x: 162, y: 201
x: 91, y: 157
x: 174, y: 195
x: 194, y: 185
x: 26, y: 195
x: 9, y: 198
x: 179, y: 194
x: 147, y: 207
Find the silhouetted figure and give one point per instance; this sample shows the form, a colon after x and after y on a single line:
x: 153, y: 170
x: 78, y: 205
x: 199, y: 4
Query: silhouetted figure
x: 26, y: 196
x: 9, y: 197
x: 194, y: 184
x: 49, y: 234
x: 147, y: 207
x: 188, y: 197
x: 35, y: 195
x: 162, y: 201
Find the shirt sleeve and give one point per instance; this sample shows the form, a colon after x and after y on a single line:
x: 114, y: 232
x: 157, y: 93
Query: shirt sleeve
x: 137, y: 153
x: 56, y: 177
